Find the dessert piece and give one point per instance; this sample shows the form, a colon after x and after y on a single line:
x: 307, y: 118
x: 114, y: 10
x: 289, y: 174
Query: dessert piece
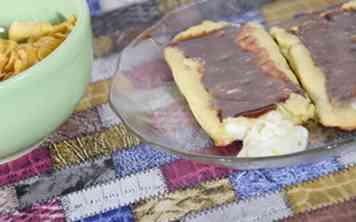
x: 350, y: 6
x: 231, y: 77
x: 205, y: 28
x: 322, y: 52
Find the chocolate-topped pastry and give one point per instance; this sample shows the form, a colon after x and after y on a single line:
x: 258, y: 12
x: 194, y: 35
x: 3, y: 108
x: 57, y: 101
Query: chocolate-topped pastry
x: 231, y: 73
x: 322, y: 51
x: 231, y: 76
x: 334, y: 33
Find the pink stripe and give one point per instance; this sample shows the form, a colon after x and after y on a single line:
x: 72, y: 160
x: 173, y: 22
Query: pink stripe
x: 32, y: 164
x: 49, y: 212
x: 186, y: 173
x: 151, y: 74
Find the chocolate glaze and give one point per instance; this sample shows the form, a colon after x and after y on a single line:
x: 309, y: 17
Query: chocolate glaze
x: 329, y: 39
x: 233, y: 75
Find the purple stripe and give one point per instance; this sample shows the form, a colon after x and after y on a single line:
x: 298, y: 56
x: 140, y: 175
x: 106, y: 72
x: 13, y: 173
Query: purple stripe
x: 32, y: 164
x: 186, y: 173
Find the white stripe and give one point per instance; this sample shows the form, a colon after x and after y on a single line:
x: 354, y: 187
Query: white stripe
x: 348, y: 158
x: 104, y: 68
x: 112, y: 195
x: 109, y: 5
x: 8, y: 199
x: 266, y: 209
x: 107, y: 116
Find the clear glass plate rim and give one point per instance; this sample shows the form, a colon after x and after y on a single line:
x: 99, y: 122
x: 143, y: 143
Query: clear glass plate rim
x: 333, y: 149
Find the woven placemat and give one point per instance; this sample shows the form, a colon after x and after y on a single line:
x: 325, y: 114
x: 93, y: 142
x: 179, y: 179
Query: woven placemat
x: 93, y: 169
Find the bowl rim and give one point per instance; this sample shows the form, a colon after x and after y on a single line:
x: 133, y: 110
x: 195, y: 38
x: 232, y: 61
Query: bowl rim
x: 30, y: 73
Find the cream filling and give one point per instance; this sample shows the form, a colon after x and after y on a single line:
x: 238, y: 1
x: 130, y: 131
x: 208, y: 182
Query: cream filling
x: 353, y: 103
x: 271, y: 134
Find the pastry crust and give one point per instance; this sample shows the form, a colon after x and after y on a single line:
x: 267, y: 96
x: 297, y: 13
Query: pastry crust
x: 314, y: 82
x: 350, y: 6
x: 200, y: 30
x: 188, y: 73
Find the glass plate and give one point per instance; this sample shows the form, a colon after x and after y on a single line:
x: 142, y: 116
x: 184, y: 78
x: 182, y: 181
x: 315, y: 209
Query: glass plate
x: 144, y: 94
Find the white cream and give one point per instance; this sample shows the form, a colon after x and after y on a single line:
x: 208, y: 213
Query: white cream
x: 237, y: 128
x: 353, y: 103
x: 268, y: 135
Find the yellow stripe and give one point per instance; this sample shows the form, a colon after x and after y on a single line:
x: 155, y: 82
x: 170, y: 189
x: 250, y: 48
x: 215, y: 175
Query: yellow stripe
x: 96, y: 94
x: 282, y: 10
x: 173, y: 206
x: 89, y: 147
x: 327, y: 190
x: 168, y: 5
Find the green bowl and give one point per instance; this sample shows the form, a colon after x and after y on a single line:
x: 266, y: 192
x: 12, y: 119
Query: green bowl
x: 34, y: 103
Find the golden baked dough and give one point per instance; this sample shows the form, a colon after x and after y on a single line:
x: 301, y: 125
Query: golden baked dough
x: 200, y: 30
x: 187, y: 77
x: 187, y: 74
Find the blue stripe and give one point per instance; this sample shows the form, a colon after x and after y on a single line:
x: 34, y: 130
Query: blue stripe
x: 94, y: 6
x: 246, y: 17
x: 256, y: 182
x: 139, y: 158
x: 123, y: 214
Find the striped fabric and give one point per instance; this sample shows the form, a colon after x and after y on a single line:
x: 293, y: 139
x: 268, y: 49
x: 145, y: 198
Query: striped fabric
x: 94, y: 170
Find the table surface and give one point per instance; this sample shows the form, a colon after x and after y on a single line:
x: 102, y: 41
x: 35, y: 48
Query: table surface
x: 93, y: 169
